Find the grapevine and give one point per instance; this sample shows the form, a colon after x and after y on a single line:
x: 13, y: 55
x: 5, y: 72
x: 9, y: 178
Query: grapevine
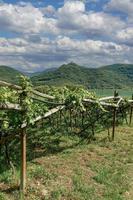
x: 78, y: 112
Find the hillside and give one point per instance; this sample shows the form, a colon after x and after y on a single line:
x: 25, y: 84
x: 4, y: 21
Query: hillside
x: 9, y: 74
x: 112, y: 76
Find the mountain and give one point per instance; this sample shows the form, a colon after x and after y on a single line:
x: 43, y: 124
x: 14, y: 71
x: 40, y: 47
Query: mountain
x: 111, y: 76
x: 9, y: 74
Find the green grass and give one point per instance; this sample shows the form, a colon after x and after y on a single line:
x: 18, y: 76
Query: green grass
x: 109, y: 92
x: 77, y: 170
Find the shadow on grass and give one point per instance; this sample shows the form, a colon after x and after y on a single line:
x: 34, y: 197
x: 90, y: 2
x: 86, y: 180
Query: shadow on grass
x: 40, y: 143
x: 10, y: 189
x: 43, y: 142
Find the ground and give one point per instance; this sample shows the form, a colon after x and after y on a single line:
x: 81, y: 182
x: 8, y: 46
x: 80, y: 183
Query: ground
x: 78, y: 170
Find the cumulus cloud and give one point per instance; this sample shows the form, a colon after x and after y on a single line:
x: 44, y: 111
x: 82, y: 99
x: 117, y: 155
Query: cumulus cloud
x: 72, y: 17
x: 69, y: 19
x: 48, y: 11
x: 125, y: 6
x: 73, y: 6
x: 89, y: 46
x: 126, y: 36
x: 25, y: 19
x: 48, y: 37
x: 61, y: 50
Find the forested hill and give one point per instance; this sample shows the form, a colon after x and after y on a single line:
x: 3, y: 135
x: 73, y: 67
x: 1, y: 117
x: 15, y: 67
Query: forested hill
x: 111, y: 76
x: 9, y: 74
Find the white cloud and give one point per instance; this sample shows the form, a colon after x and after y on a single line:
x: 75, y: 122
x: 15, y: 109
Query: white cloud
x: 90, y: 46
x: 20, y: 19
x: 52, y: 53
x: 48, y: 11
x: 25, y: 19
x: 126, y: 35
x: 72, y: 7
x: 49, y: 37
x: 125, y: 6
x: 12, y: 46
x: 73, y: 18
x: 23, y: 46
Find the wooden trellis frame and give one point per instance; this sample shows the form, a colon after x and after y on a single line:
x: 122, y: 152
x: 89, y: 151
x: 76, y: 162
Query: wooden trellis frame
x: 17, y: 107
x: 42, y: 97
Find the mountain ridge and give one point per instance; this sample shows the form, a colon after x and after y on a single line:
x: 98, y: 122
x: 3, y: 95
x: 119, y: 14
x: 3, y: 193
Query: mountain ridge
x: 110, y: 76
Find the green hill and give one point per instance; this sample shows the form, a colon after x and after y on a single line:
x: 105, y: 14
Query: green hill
x: 9, y: 74
x: 112, y: 76
x: 107, y: 77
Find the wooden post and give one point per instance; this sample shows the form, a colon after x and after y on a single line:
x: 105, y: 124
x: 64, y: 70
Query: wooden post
x: 114, y: 117
x: 23, y: 161
x: 23, y: 96
x: 114, y: 121
x: 131, y: 112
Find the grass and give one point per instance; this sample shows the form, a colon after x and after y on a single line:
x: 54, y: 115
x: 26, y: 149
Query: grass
x: 75, y: 170
x: 109, y: 92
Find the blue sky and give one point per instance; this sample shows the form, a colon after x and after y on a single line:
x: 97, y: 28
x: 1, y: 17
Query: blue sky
x: 95, y: 5
x: 38, y: 3
x: 58, y: 3
x: 41, y: 34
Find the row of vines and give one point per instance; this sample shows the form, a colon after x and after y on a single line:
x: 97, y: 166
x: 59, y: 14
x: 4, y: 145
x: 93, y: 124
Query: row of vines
x: 69, y: 109
x: 76, y: 113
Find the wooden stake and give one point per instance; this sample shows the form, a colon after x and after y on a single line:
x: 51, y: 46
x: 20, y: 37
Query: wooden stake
x: 114, y: 117
x: 114, y: 123
x: 23, y: 161
x: 131, y: 112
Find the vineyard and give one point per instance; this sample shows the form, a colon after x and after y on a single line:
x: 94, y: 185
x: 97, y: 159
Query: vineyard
x: 71, y: 108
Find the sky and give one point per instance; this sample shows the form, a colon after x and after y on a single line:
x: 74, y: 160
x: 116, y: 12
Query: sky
x: 40, y: 34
